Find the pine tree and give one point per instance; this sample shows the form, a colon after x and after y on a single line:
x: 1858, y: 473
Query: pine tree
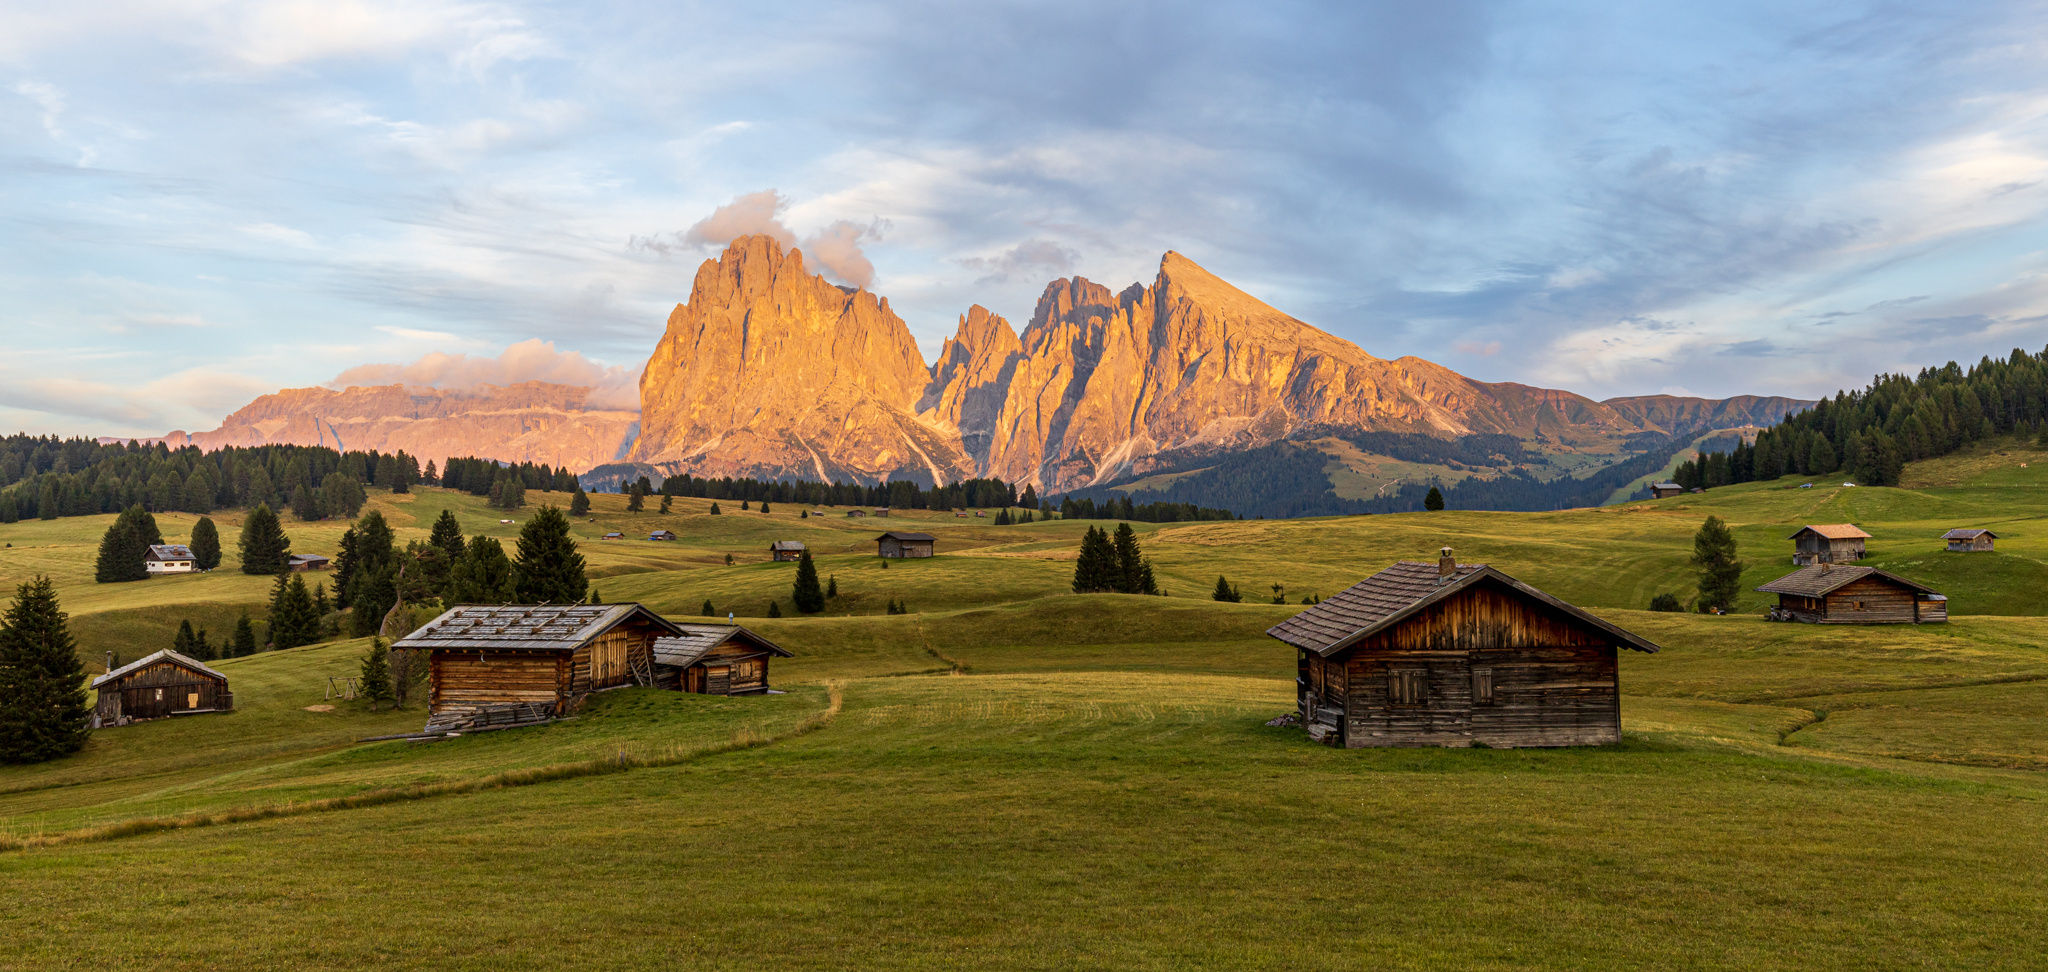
x: 43, y: 708
x: 1147, y: 584
x: 304, y: 505
x: 376, y: 675
x: 1095, y: 570
x: 714, y: 509
x: 634, y: 501
x: 1225, y: 591
x: 202, y: 649
x: 803, y: 514
x: 1713, y: 552
x: 121, y: 556
x: 245, y: 638
x: 579, y: 503
x: 709, y: 611
x: 1823, y: 459
x: 595, y: 597
x: 321, y: 605
x: 1030, y: 498
x: 483, y: 575
x: 743, y: 504
x: 447, y: 535
x: 805, y: 593
x: 547, y: 569
x: 205, y: 544
x: 665, y: 501
x: 182, y: 641
x: 1130, y: 561
x: 775, y: 609
x: 1434, y: 501
x: 264, y: 544
x: 832, y: 586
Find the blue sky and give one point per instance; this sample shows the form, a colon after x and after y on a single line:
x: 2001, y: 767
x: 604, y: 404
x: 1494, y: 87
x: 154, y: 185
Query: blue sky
x: 205, y: 201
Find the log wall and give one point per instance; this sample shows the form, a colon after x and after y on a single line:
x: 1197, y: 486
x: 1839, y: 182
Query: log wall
x: 497, y: 677
x: 163, y: 689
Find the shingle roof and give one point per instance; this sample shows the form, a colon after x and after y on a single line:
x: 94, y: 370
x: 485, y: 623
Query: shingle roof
x: 696, y: 639
x: 1819, y: 579
x: 306, y: 558
x: 786, y: 545
x: 170, y: 551
x: 148, y: 660
x: 897, y: 535
x: 1386, y: 598
x: 524, y: 627
x: 1665, y: 486
x: 1968, y: 533
x: 1832, y: 531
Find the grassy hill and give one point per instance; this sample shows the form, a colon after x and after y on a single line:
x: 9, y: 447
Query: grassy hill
x: 1014, y: 776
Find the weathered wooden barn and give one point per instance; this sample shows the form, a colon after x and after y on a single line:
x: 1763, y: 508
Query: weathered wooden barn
x: 661, y: 535
x: 1830, y: 543
x: 1969, y: 540
x: 1844, y: 594
x: 1451, y: 654
x: 307, y: 561
x: 1665, y: 490
x: 524, y: 663
x: 896, y: 543
x: 159, y: 685
x: 169, y: 558
x: 786, y: 550
x: 715, y: 659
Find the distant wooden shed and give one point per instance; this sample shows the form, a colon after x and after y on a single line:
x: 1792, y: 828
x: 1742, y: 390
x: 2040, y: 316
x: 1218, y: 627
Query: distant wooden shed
x: 715, y: 659
x: 1828, y: 543
x: 308, y: 561
x: 1665, y: 490
x: 1846, y: 594
x: 155, y: 686
x: 661, y: 535
x: 527, y: 663
x: 1451, y: 654
x: 896, y: 543
x: 786, y: 550
x: 1969, y: 540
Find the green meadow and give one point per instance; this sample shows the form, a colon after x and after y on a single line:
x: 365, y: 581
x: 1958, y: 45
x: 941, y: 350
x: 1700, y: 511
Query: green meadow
x: 1016, y: 777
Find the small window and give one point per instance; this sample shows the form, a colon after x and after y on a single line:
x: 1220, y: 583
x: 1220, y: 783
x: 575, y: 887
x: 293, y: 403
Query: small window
x: 1482, y: 686
x: 1408, y: 687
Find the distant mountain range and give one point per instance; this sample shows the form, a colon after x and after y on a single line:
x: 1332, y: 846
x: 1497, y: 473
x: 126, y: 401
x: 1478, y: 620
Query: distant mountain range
x: 771, y: 371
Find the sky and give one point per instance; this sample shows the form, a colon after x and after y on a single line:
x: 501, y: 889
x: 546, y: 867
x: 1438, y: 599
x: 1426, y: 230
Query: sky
x: 202, y: 202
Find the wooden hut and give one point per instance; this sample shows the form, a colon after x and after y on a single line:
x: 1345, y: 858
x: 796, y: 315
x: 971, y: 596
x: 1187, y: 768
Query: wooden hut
x: 1451, y: 654
x: 1831, y: 543
x: 714, y: 659
x: 786, y: 550
x: 307, y: 561
x: 169, y: 558
x: 1665, y: 490
x: 159, y: 685
x: 881, y: 511
x: 661, y: 535
x: 896, y: 543
x: 528, y: 663
x: 1969, y: 540
x: 1842, y: 594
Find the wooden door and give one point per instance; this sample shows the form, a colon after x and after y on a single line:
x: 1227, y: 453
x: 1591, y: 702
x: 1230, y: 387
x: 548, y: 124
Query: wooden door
x: 608, y: 660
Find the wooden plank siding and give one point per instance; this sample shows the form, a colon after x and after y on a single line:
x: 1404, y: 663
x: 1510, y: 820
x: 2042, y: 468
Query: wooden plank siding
x: 1541, y: 696
x: 159, y: 690
x: 497, y: 677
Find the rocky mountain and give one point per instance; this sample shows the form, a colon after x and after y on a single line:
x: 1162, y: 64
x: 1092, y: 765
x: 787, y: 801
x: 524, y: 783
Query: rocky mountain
x: 527, y: 422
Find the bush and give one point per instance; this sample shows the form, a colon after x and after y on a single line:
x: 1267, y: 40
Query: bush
x: 1666, y: 602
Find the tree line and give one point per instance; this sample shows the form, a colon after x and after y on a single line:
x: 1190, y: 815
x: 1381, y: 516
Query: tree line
x: 42, y: 477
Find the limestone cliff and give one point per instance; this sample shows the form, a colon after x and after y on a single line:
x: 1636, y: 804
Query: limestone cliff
x: 771, y: 371
x: 527, y: 422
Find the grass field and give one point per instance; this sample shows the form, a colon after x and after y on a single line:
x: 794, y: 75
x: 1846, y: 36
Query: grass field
x: 1013, y: 776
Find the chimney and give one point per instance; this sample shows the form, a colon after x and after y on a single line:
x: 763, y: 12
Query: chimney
x: 1446, y: 566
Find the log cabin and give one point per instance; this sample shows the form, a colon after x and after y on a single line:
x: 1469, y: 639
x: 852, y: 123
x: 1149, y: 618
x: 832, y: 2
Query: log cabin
x: 1666, y: 490
x: 1831, y: 543
x: 169, y: 558
x: 1969, y: 540
x: 531, y: 662
x: 1844, y: 594
x: 715, y: 659
x: 786, y: 550
x: 661, y: 535
x: 153, y: 687
x: 1451, y: 654
x: 307, y: 561
x: 896, y: 543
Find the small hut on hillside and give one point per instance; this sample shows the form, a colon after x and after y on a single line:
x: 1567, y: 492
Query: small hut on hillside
x: 714, y: 659
x: 1451, y: 654
x: 1843, y: 594
x: 528, y: 663
x: 786, y: 550
x: 307, y: 561
x: 896, y: 543
x: 1830, y: 543
x: 169, y: 558
x: 1969, y: 540
x: 159, y: 685
x: 1665, y: 490
x: 661, y: 535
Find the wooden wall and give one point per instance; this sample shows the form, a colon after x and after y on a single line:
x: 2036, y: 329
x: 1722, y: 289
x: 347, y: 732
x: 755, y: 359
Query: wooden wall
x: 497, y: 677
x: 160, y: 690
x: 613, y: 658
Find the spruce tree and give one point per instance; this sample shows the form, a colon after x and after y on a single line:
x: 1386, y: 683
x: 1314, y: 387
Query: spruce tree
x: 304, y: 505
x: 666, y: 500
x: 265, y: 548
x: 121, y: 555
x: 376, y: 675
x: 1434, y: 501
x: 579, y: 504
x: 205, y: 544
x: 714, y: 509
x: 1130, y: 561
x: 182, y: 641
x: 321, y: 605
x: 709, y: 611
x: 1225, y: 591
x: 1095, y: 570
x: 483, y: 575
x: 547, y: 568
x: 805, y: 593
x: 634, y: 501
x: 144, y: 525
x: 202, y: 649
x: 1713, y: 553
x: 775, y: 609
x: 764, y: 506
x: 43, y: 709
x: 245, y: 638
x: 831, y: 586
x: 447, y: 535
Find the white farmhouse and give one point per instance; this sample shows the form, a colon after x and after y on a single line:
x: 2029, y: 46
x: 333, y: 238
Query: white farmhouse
x: 169, y: 558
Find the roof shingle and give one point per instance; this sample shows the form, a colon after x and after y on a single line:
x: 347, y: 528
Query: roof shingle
x: 1386, y: 597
